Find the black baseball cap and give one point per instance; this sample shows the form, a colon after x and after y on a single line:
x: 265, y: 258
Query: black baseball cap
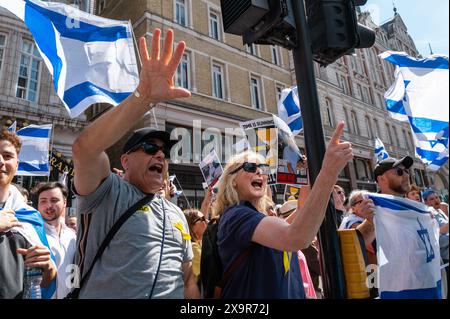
x: 390, y: 163
x: 144, y: 134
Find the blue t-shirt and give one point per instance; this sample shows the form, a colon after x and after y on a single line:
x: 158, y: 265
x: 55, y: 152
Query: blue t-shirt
x: 261, y: 275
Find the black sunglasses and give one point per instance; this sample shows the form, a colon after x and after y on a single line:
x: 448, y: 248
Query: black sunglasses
x: 203, y: 219
x: 252, y: 168
x: 151, y: 149
x: 401, y: 171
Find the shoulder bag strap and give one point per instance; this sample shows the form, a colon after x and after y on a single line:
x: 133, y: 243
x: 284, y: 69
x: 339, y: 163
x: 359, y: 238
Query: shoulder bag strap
x: 236, y: 263
x: 130, y: 211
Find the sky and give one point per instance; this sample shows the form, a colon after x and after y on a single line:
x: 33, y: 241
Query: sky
x: 427, y: 21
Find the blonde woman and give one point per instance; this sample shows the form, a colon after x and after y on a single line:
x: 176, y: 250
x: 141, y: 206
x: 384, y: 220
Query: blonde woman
x: 268, y: 270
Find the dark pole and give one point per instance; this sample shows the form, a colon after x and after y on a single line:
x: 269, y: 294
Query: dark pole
x: 331, y: 264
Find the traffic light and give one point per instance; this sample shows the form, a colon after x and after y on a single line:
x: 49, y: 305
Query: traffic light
x: 260, y: 21
x: 334, y: 29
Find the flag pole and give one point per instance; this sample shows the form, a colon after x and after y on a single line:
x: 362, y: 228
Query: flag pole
x: 50, y: 152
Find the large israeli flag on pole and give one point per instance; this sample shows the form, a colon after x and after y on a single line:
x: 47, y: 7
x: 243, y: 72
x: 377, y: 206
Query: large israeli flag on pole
x: 92, y: 59
x: 289, y: 109
x: 33, y: 157
x: 407, y: 249
x: 420, y: 95
x: 380, y: 150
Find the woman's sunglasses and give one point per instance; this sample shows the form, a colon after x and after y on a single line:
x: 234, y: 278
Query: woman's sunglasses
x: 151, y: 149
x: 203, y: 219
x: 252, y: 168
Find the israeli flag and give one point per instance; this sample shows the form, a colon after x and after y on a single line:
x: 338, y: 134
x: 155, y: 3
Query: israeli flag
x: 289, y: 109
x: 13, y: 127
x: 380, y: 151
x: 420, y: 96
x: 407, y: 249
x: 92, y: 59
x: 33, y: 157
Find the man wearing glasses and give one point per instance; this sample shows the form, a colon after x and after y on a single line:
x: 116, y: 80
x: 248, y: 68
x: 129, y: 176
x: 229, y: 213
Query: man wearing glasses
x: 150, y: 256
x: 393, y: 175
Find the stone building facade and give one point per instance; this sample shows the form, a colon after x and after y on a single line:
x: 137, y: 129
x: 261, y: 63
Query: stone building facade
x: 251, y: 78
x: 229, y: 82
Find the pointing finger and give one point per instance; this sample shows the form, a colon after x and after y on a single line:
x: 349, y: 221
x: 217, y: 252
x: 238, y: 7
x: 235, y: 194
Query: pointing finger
x: 335, y: 139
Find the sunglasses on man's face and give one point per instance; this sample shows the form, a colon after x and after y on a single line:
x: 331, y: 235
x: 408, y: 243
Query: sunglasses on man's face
x: 253, y: 167
x: 400, y: 171
x: 151, y: 149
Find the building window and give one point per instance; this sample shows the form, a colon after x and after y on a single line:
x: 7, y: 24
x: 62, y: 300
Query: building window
x: 214, y: 31
x: 101, y: 6
x: 405, y: 137
x: 355, y: 126
x: 255, y: 92
x: 395, y: 133
x: 218, y: 81
x: 181, y: 13
x: 2, y: 48
x: 276, y: 55
x: 360, y: 92
x: 347, y: 120
x: 410, y: 138
x: 369, y: 128
x: 389, y: 134
x: 330, y: 114
x: 367, y: 97
x: 343, y: 83
x: 418, y: 178
x: 362, y: 169
x: 252, y: 49
x: 183, y: 72
x: 28, y: 81
x: 377, y: 128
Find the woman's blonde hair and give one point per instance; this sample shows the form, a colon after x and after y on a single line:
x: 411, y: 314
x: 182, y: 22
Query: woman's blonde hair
x: 227, y: 195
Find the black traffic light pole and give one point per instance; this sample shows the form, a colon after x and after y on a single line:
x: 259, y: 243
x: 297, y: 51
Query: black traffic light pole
x: 331, y: 263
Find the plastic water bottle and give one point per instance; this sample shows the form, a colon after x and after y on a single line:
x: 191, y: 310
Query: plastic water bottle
x: 32, y: 283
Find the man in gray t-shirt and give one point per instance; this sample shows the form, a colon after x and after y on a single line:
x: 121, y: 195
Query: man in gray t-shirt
x: 156, y: 236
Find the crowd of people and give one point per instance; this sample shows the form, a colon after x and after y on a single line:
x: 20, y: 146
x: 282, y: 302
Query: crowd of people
x: 131, y: 241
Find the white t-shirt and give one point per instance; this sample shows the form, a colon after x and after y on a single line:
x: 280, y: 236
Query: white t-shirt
x: 63, y: 247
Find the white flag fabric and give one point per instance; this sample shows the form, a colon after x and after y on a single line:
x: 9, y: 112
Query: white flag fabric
x: 33, y: 157
x: 407, y: 249
x: 420, y: 96
x: 289, y: 109
x: 13, y: 127
x: 92, y: 59
x: 380, y: 150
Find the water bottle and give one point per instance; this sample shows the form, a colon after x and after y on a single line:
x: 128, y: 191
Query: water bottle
x: 32, y: 283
